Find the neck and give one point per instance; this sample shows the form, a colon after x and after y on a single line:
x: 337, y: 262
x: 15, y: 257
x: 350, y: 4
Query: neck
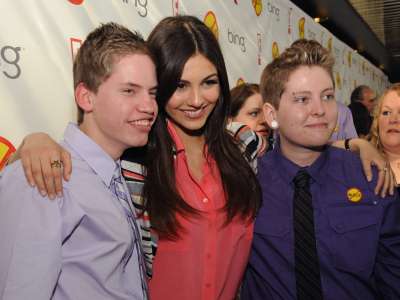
x: 392, y: 154
x: 191, y: 140
x: 301, y: 156
x: 115, y: 151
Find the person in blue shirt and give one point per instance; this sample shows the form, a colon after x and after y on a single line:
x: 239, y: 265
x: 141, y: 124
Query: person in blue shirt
x: 348, y: 245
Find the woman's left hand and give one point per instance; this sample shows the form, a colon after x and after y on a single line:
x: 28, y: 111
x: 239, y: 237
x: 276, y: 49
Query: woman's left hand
x: 370, y: 156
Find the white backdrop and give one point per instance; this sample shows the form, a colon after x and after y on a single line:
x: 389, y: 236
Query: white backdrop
x: 39, y: 38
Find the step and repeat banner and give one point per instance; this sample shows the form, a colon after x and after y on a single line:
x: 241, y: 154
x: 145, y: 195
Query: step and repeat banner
x: 39, y: 38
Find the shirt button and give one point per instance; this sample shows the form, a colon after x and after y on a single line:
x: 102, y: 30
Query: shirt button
x: 208, y: 285
x: 205, y: 200
x: 208, y: 255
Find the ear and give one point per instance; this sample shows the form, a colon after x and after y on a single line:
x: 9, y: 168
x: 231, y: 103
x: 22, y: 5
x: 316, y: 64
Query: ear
x: 269, y: 113
x: 84, y: 98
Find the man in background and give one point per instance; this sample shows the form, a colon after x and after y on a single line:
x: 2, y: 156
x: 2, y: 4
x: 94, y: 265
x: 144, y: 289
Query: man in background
x: 361, y: 106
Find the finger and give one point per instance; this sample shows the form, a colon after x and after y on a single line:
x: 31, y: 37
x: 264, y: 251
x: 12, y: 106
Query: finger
x: 48, y: 175
x: 38, y: 176
x: 27, y: 167
x: 392, y: 182
x: 380, y: 182
x: 67, y: 164
x: 367, y: 167
x: 386, y: 183
x: 57, y: 177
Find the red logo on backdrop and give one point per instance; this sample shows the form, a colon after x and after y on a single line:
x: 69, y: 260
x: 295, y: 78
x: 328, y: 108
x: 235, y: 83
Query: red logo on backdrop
x: 6, y: 149
x: 76, y: 2
x: 75, y: 45
x: 175, y: 7
x: 259, y: 42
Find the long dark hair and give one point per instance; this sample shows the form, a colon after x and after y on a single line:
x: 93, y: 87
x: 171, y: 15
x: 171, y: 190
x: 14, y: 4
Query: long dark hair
x: 173, y: 41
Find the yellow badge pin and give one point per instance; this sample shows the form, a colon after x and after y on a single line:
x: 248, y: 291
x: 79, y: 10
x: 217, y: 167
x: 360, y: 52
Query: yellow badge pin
x: 354, y: 195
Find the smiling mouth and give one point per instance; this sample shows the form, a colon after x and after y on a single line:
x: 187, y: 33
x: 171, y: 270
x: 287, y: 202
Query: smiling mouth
x: 142, y: 124
x: 194, y: 113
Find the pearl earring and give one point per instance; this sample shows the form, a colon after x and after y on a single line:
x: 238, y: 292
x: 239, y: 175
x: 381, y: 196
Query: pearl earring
x: 274, y: 124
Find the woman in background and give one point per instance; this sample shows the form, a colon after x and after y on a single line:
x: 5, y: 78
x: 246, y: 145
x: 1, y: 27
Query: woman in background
x: 385, y: 129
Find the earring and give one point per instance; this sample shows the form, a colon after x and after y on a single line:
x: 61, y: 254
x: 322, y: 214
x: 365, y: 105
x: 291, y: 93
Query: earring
x: 274, y: 124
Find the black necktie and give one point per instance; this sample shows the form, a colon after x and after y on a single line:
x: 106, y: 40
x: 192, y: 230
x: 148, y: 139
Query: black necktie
x: 308, y: 279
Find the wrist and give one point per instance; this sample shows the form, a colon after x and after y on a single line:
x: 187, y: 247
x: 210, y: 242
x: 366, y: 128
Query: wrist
x: 347, y: 144
x: 355, y: 144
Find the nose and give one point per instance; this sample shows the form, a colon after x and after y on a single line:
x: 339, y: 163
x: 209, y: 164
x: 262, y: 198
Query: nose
x: 394, y: 118
x: 148, y: 104
x: 317, y: 107
x: 195, y: 98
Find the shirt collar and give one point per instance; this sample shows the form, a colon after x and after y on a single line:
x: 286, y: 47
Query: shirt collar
x: 178, y: 144
x: 287, y: 169
x: 101, y: 163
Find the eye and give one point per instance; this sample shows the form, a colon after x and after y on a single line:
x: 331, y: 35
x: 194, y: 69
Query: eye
x: 128, y: 91
x: 254, y: 114
x: 211, y: 82
x: 385, y: 113
x: 301, y: 99
x: 328, y: 97
x: 181, y: 85
x: 153, y: 94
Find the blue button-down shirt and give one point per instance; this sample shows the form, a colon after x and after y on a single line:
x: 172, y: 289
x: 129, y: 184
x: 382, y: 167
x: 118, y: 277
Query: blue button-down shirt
x: 358, y: 242
x: 77, y: 247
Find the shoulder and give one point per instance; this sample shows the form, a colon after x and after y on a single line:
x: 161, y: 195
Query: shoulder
x: 13, y: 178
x: 267, y: 164
x: 346, y: 166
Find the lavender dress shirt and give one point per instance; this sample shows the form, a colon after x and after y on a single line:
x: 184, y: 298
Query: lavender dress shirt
x: 76, y: 247
x: 345, y: 128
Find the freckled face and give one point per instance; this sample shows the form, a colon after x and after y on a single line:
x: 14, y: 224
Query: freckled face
x: 307, y: 111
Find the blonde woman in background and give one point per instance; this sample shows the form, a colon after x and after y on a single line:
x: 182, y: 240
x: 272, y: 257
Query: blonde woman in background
x: 385, y: 129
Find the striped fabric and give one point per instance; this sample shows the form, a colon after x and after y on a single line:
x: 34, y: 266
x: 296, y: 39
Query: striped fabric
x: 119, y: 189
x: 252, y: 144
x: 133, y: 171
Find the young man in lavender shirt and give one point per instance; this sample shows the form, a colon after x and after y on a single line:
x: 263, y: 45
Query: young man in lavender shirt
x: 85, y: 245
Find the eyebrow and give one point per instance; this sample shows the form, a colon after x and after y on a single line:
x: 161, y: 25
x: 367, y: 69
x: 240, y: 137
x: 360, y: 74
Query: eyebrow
x: 205, y: 78
x: 308, y: 92
x: 132, y: 84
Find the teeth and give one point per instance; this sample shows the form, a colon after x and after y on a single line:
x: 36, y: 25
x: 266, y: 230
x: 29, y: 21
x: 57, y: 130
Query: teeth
x: 145, y: 123
x: 193, y: 113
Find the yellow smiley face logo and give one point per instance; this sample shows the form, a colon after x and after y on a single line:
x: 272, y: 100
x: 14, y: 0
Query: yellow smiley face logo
x: 354, y: 195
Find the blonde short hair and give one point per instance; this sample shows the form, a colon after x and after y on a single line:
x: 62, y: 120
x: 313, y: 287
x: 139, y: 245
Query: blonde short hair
x: 302, y: 52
